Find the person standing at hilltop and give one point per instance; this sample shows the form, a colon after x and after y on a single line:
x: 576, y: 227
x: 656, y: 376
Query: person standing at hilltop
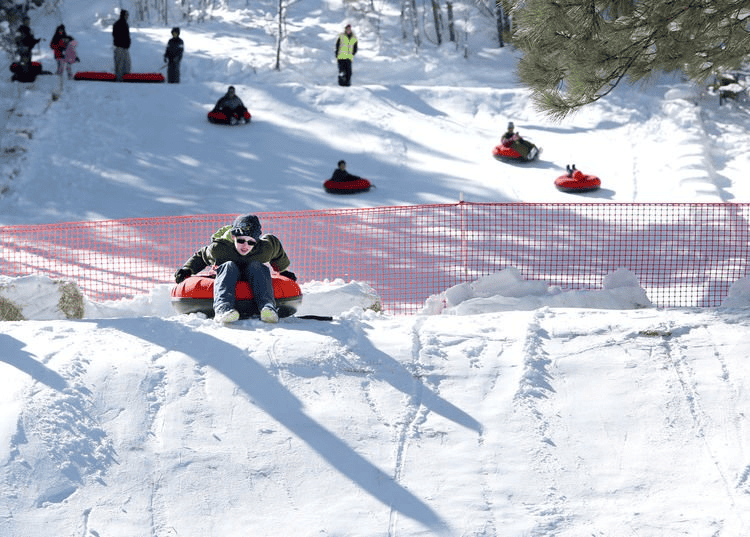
x: 346, y: 48
x: 121, y: 42
x: 173, y: 56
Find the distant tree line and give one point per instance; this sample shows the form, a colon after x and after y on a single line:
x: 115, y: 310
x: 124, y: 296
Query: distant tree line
x: 173, y: 11
x: 439, y: 21
x: 434, y: 21
x: 574, y: 51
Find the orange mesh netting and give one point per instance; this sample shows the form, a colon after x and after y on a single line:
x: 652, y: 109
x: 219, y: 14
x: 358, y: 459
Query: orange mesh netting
x: 682, y: 254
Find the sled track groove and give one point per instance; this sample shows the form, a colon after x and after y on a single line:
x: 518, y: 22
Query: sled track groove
x: 277, y: 371
x: 414, y: 415
x: 677, y: 359
x: 551, y: 513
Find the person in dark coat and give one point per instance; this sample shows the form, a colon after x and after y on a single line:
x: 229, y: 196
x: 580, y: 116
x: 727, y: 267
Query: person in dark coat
x: 173, y: 56
x: 25, y: 27
x: 340, y: 175
x: 512, y: 139
x: 241, y: 251
x: 24, y: 71
x: 231, y: 106
x: 121, y: 42
x: 25, y: 42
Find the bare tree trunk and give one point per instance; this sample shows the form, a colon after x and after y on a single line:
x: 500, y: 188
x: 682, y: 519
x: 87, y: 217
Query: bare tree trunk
x: 415, y: 23
x: 451, y: 23
x: 141, y: 10
x: 409, y: 22
x: 162, y: 8
x: 438, y: 18
x: 465, y: 34
x: 502, y: 21
x: 279, y: 36
x: 402, y: 17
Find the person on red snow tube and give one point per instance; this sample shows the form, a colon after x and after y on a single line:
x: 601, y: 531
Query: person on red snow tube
x: 232, y: 107
x: 513, y: 140
x: 340, y: 175
x: 241, y: 252
x: 577, y: 181
x: 343, y: 182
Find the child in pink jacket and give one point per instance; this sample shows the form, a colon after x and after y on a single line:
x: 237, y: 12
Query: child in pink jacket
x: 71, y: 56
x: 65, y: 50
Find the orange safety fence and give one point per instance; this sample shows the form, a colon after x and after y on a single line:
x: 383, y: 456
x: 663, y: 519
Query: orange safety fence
x: 682, y: 254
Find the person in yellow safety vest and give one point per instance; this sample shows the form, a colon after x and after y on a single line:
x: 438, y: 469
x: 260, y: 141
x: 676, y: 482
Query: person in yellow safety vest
x: 346, y: 48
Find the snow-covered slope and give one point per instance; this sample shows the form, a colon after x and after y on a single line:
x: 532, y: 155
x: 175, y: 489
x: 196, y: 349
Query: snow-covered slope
x: 550, y: 421
x: 518, y: 411
x: 421, y: 126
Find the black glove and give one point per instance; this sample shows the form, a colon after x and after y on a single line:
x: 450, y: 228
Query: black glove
x: 289, y: 274
x: 181, y: 274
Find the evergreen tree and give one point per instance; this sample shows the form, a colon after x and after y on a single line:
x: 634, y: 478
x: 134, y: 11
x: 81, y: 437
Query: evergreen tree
x: 578, y: 51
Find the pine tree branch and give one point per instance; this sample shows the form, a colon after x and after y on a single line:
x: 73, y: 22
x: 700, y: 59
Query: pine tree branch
x: 578, y: 51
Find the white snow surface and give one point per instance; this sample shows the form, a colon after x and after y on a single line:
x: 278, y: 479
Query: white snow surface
x: 506, y: 408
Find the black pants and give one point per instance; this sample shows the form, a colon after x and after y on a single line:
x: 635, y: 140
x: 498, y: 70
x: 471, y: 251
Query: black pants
x: 345, y: 72
x: 173, y: 72
x: 238, y: 113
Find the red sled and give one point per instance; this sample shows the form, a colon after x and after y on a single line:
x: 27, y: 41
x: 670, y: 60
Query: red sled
x: 221, y: 118
x: 94, y: 75
x: 347, y: 187
x: 502, y: 152
x: 196, y: 295
x: 577, y: 181
x: 144, y: 77
x: 110, y: 77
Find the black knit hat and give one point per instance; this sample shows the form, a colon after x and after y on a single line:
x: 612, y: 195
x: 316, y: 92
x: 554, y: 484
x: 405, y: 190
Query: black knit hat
x: 246, y: 225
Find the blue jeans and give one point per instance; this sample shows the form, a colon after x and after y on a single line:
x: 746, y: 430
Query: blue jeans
x: 227, y: 276
x: 122, y: 62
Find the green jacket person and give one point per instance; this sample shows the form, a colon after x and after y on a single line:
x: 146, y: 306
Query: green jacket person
x: 241, y: 252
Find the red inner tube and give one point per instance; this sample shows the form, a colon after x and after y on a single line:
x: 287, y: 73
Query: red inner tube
x: 196, y: 294
x: 502, y: 151
x: 221, y: 117
x: 347, y: 187
x: 577, y: 182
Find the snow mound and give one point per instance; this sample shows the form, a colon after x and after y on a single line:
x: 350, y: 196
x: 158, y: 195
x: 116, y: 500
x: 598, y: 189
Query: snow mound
x: 39, y: 298
x: 507, y: 290
x: 336, y: 297
x: 738, y: 295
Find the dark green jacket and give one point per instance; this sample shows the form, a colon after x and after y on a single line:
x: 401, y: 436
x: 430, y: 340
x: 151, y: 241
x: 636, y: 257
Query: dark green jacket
x: 268, y: 249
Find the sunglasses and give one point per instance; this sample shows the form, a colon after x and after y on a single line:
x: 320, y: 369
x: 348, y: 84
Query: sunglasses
x: 243, y: 241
